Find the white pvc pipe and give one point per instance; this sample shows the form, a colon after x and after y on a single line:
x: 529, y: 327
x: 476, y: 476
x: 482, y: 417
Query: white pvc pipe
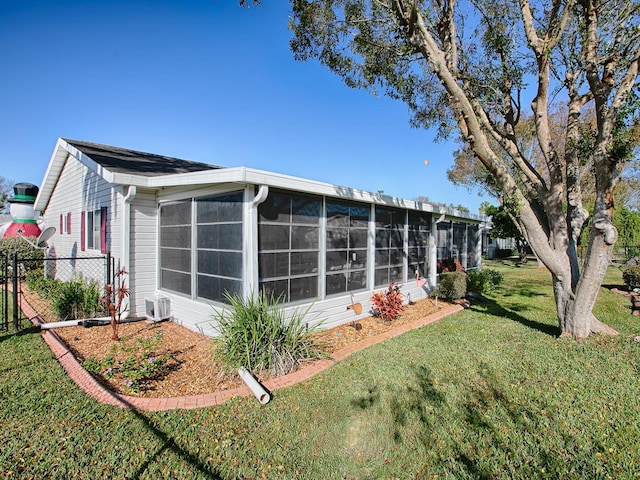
x: 79, y: 322
x: 66, y: 323
x: 258, y: 390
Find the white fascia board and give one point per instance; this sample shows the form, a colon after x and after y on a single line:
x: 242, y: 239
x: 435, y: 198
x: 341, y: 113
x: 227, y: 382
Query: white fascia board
x: 128, y: 179
x: 244, y: 175
x: 59, y: 157
x: 51, y: 175
x: 220, y: 175
x: 453, y: 214
x: 90, y: 164
x: 336, y: 191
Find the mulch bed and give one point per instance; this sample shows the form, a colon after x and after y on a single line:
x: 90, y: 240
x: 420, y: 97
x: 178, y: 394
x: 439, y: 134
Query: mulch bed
x: 190, y: 367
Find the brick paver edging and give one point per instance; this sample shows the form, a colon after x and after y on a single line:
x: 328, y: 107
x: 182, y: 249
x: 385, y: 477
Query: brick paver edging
x: 93, y: 388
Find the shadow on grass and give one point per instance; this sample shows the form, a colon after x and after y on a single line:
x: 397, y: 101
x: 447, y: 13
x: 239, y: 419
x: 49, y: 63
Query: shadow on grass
x: 168, y: 443
x: 475, y: 428
x: 491, y: 307
x: 19, y: 333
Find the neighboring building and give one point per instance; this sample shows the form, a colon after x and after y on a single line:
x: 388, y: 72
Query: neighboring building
x: 191, y: 231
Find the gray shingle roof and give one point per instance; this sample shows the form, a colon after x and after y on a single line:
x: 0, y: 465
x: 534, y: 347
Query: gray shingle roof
x: 122, y: 160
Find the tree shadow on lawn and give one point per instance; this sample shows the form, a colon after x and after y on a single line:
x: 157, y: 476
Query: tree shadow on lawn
x: 168, y: 443
x: 468, y: 428
x: 491, y: 307
x: 19, y: 333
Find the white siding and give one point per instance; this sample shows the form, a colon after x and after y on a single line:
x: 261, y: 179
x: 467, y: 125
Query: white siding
x: 143, y: 250
x: 78, y: 189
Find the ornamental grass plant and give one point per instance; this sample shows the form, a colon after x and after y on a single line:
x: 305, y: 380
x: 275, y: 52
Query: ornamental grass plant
x: 256, y: 333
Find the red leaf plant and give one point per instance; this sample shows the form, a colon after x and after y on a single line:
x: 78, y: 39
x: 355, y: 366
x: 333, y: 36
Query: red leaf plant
x: 388, y: 304
x: 449, y: 265
x: 114, y: 298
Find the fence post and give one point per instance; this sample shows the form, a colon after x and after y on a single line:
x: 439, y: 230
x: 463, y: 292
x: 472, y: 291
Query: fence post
x: 5, y: 291
x: 107, y: 280
x: 16, y: 286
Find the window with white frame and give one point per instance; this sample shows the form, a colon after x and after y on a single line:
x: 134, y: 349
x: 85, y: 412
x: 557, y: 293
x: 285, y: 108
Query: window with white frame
x: 289, y: 245
x: 460, y: 243
x: 216, y: 262
x: 219, y: 246
x: 346, y: 257
x: 175, y: 246
x: 94, y: 220
x: 473, y: 240
x: 389, y: 253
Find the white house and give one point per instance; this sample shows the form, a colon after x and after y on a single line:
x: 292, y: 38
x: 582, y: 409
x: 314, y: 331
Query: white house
x: 192, y: 231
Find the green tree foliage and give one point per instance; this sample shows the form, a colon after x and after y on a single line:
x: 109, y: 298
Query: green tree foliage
x: 628, y: 225
x: 504, y: 226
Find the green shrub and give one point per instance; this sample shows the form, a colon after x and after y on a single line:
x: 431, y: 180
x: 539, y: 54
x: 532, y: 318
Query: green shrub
x: 483, y: 280
x: 44, y: 286
x: 452, y: 285
x: 631, y: 276
x: 255, y: 334
x: 24, y: 251
x: 136, y: 366
x: 504, y: 252
x: 77, y: 298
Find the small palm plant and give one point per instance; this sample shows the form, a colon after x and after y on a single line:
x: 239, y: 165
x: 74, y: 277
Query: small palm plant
x: 255, y: 334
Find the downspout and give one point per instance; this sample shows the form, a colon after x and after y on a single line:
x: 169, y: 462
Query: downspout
x: 251, y: 242
x: 261, y: 196
x: 126, y: 230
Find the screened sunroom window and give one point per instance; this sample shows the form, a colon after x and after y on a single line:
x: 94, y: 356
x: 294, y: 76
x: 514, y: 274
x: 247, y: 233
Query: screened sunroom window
x: 444, y: 241
x: 289, y: 245
x: 175, y: 246
x: 219, y: 246
x: 346, y: 256
x: 473, y: 238
x: 389, y: 246
x: 216, y: 263
x: 460, y: 243
x: 418, y: 243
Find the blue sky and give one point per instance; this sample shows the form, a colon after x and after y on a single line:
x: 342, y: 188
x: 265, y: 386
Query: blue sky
x: 204, y: 80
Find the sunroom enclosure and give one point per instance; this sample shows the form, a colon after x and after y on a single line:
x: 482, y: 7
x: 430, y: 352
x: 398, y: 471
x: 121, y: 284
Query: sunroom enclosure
x: 308, y: 248
x: 192, y: 232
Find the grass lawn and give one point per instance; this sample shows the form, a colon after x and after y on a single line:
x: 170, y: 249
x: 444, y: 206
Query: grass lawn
x: 486, y: 393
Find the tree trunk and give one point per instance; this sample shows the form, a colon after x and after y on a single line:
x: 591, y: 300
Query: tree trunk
x: 579, y: 320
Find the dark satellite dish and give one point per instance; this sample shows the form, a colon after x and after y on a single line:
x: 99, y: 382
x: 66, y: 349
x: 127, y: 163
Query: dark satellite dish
x: 42, y: 239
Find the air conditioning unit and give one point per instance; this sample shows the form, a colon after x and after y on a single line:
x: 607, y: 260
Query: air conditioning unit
x: 158, y: 308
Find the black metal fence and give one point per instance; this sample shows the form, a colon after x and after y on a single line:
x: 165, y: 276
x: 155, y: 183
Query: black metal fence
x: 16, y: 294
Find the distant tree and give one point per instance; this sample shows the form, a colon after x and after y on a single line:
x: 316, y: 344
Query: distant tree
x: 449, y: 206
x: 470, y: 67
x: 484, y: 207
x: 628, y: 224
x: 503, y: 226
x: 6, y: 187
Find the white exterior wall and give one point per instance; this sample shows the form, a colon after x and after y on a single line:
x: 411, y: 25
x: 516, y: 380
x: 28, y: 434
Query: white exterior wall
x: 143, y: 250
x: 78, y: 189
